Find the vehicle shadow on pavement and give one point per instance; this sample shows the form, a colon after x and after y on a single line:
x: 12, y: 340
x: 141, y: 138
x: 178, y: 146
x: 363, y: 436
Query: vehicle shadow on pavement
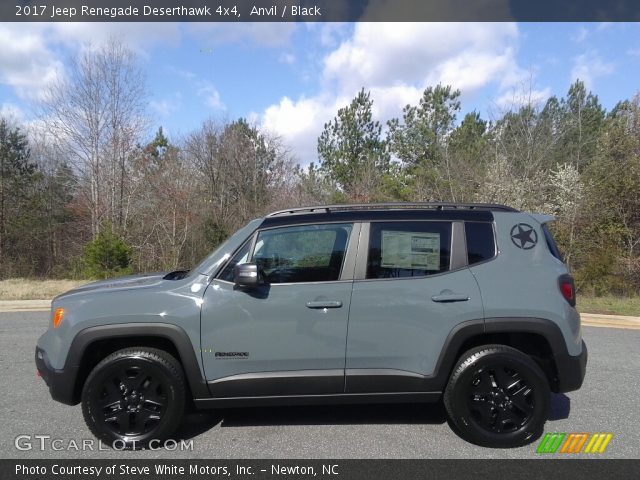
x: 401, y: 414
x: 200, y: 422
x: 560, y: 406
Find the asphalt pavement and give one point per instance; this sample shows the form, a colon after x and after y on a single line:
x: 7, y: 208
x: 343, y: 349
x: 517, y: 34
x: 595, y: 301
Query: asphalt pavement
x: 607, y: 402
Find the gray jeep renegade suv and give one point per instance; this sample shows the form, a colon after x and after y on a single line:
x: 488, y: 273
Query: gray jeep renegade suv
x: 468, y: 303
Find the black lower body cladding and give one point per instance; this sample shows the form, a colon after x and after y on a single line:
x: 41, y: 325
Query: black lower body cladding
x: 571, y: 370
x: 61, y: 383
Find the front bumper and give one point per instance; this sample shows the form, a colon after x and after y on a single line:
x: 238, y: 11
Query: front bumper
x: 571, y: 370
x: 61, y: 383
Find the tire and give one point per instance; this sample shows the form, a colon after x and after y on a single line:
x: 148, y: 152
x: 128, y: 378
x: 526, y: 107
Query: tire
x: 134, y: 396
x: 497, y: 397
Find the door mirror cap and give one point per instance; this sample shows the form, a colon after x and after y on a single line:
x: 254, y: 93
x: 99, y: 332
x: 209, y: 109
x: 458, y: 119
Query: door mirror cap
x: 246, y: 275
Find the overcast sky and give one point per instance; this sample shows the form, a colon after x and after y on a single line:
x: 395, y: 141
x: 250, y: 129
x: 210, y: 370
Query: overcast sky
x: 292, y: 78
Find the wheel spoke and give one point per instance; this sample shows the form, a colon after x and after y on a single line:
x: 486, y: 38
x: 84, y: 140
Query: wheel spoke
x: 111, y: 393
x: 122, y: 419
x: 481, y: 384
x: 154, y: 391
x: 129, y: 376
x: 111, y: 407
x: 152, y: 405
x: 135, y: 426
x: 484, y: 408
x: 503, y: 378
x: 149, y: 385
x: 125, y: 419
x: 519, y: 399
x: 146, y: 383
x: 515, y: 385
x: 508, y: 415
x: 499, y: 421
x: 146, y: 415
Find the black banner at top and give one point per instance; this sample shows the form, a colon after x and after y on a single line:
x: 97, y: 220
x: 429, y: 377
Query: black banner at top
x: 320, y: 10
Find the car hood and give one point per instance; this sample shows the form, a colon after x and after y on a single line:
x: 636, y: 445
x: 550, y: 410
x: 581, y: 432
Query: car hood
x: 129, y: 281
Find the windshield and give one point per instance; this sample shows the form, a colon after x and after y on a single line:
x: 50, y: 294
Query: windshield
x: 211, y: 263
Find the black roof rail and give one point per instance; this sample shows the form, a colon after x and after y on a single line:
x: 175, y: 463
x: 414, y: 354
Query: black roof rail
x: 394, y: 206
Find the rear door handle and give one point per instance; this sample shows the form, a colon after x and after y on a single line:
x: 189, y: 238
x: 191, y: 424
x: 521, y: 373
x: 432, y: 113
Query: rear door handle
x: 325, y: 304
x: 451, y: 297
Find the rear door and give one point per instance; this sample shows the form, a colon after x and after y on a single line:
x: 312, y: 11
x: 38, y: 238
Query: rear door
x: 412, y: 288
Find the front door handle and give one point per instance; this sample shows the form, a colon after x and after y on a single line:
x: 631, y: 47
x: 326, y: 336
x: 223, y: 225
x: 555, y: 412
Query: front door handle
x: 451, y: 297
x: 325, y: 304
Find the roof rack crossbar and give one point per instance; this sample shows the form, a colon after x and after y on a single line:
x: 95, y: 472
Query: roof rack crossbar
x: 394, y: 205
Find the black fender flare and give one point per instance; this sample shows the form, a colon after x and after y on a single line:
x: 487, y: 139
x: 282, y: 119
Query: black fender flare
x: 173, y: 333
x: 570, y: 369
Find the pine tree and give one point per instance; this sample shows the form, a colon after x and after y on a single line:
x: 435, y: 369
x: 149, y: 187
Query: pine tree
x: 351, y: 150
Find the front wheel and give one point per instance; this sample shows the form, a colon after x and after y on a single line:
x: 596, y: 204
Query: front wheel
x: 497, y: 397
x: 134, y: 396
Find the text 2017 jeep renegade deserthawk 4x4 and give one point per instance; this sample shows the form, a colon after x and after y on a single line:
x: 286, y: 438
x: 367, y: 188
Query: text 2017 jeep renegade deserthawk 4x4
x: 469, y: 303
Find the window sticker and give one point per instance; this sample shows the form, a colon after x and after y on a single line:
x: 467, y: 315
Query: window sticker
x: 410, y: 250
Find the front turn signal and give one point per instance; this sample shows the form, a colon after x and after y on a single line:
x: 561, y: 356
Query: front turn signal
x: 57, y: 317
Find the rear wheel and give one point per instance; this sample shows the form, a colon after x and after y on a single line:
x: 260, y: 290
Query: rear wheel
x: 134, y: 396
x: 497, y: 397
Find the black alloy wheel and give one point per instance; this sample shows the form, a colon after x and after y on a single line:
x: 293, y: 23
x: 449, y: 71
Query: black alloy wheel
x: 500, y: 399
x: 134, y: 396
x: 132, y: 401
x: 497, y: 397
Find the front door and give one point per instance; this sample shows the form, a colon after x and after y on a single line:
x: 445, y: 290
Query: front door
x: 288, y: 335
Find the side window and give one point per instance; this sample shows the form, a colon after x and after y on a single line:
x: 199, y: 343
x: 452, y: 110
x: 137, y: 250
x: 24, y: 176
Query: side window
x: 408, y: 249
x: 308, y: 253
x: 551, y: 243
x: 242, y: 256
x: 480, y: 241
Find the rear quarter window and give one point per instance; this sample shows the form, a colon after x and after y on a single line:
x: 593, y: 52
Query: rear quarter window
x: 481, y: 244
x: 551, y: 243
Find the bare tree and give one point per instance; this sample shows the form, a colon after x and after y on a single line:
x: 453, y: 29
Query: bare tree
x: 97, y: 114
x: 167, y: 207
x: 241, y: 168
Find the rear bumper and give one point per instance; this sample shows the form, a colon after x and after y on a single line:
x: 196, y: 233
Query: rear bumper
x: 571, y: 370
x: 61, y: 383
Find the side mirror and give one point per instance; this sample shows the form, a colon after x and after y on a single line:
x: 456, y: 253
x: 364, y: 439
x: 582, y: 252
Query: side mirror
x: 246, y: 275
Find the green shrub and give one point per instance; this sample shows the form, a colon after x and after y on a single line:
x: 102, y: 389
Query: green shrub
x: 107, y: 256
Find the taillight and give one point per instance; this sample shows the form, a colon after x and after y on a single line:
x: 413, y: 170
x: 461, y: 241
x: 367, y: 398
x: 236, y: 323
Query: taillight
x: 568, y: 289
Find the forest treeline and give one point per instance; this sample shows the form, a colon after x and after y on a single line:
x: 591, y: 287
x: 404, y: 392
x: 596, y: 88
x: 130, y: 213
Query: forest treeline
x: 86, y: 192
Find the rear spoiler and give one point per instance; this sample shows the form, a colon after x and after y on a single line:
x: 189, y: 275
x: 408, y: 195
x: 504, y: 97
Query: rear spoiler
x: 542, y: 218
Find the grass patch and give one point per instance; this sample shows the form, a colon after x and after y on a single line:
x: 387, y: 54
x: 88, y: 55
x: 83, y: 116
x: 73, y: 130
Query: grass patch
x: 29, y: 289
x: 609, y: 305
